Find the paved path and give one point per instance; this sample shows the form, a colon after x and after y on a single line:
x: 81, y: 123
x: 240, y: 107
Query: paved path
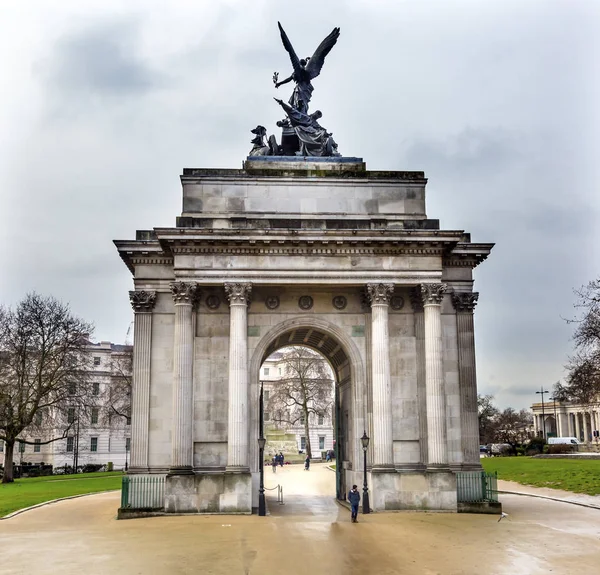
x: 310, y: 535
x: 557, y: 494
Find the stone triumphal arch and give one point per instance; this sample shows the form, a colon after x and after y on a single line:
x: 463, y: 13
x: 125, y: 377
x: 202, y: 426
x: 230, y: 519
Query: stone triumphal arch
x: 309, y: 251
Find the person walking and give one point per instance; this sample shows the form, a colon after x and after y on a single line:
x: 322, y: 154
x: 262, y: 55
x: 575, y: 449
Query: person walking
x: 274, y: 463
x: 354, y: 499
x: 307, y: 463
x: 281, y: 458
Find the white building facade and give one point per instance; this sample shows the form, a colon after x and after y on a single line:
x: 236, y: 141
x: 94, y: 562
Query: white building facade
x: 564, y: 419
x: 320, y: 426
x: 98, y: 434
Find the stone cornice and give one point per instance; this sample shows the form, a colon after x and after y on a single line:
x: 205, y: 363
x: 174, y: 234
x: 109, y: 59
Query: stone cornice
x: 185, y: 292
x: 379, y: 293
x: 465, y: 301
x: 238, y: 293
x: 142, y: 301
x: 432, y: 294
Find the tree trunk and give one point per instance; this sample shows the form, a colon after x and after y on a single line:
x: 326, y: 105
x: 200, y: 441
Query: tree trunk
x: 307, y: 432
x: 7, y: 476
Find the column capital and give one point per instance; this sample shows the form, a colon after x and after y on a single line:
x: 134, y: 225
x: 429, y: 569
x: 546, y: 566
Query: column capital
x: 142, y: 301
x: 185, y: 292
x: 432, y: 294
x: 379, y: 294
x: 238, y: 293
x: 465, y: 301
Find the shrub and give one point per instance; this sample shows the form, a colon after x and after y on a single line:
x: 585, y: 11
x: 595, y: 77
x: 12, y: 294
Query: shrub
x: 535, y: 446
x: 91, y: 467
x: 520, y: 450
x: 560, y: 448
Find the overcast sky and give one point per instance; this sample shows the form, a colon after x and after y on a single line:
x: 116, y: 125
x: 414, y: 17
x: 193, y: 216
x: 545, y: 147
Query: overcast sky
x: 103, y: 104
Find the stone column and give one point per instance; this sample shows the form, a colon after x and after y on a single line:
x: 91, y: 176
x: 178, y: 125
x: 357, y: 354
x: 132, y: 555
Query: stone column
x: 535, y: 424
x: 577, y: 426
x: 383, y: 452
x: 237, y: 428
x: 464, y: 303
x: 417, y: 305
x: 570, y: 425
x: 586, y: 435
x: 142, y: 303
x: 185, y: 296
x: 437, y: 446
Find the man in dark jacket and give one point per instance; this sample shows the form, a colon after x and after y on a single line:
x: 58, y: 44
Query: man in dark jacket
x: 354, y: 499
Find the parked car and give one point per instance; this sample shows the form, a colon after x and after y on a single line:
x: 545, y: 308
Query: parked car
x: 483, y: 449
x: 563, y: 441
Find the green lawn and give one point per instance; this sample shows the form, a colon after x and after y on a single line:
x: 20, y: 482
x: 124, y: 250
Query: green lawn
x: 579, y: 476
x: 34, y: 490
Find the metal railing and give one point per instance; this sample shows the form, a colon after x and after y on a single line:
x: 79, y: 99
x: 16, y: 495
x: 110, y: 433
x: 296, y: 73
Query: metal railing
x: 143, y: 492
x: 279, y: 493
x: 476, y: 486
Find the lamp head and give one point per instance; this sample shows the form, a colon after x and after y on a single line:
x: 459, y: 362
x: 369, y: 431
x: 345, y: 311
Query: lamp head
x: 365, y: 440
x: 262, y: 442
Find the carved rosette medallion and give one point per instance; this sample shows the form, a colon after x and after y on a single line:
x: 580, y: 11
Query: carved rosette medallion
x: 238, y: 293
x: 305, y: 302
x: 339, y: 302
x: 213, y: 301
x: 379, y: 294
x: 432, y: 294
x: 142, y: 301
x: 396, y: 302
x: 416, y: 300
x: 272, y: 302
x: 465, y: 301
x: 185, y: 292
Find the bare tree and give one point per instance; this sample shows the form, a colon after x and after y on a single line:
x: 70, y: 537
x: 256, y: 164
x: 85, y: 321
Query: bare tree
x: 306, y: 389
x: 583, y: 379
x: 510, y: 427
x: 43, y: 367
x: 488, y: 413
x: 118, y: 400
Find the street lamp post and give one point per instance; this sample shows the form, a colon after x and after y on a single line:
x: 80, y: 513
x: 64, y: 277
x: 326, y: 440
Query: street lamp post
x: 262, y: 507
x: 365, y: 445
x: 542, y: 392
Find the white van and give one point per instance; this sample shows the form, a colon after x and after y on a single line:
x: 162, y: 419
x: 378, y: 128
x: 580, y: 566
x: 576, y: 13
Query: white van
x: 563, y: 441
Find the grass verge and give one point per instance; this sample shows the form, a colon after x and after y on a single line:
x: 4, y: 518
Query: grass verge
x: 578, y: 476
x: 31, y: 491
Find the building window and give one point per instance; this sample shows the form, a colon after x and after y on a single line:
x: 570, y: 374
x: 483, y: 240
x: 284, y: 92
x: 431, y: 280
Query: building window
x: 38, y: 417
x: 96, y: 388
x: 279, y: 371
x: 96, y: 361
x: 265, y: 396
x: 302, y: 420
x: 129, y: 420
x: 127, y: 443
x: 303, y: 443
x: 321, y: 420
x: 71, y: 415
x: 267, y: 416
x: 93, y: 444
x: 94, y: 416
x: 70, y: 444
x: 266, y: 371
x: 321, y: 442
x: 1, y: 446
x: 37, y: 445
x: 72, y: 388
x: 21, y: 447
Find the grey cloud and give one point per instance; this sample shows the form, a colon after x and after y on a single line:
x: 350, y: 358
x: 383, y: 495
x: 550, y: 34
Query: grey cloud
x: 101, y: 60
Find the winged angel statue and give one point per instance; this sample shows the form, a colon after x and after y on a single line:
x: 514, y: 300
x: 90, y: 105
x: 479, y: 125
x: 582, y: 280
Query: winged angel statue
x: 302, y: 134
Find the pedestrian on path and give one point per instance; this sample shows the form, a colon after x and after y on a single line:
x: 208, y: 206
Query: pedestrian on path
x: 307, y: 463
x: 281, y: 458
x: 354, y: 499
x: 274, y: 463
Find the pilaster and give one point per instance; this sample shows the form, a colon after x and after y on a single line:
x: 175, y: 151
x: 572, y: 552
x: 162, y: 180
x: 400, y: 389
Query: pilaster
x: 383, y: 452
x: 437, y: 447
x: 142, y: 303
x: 419, y: 315
x: 464, y: 304
x: 185, y: 296
x: 238, y: 295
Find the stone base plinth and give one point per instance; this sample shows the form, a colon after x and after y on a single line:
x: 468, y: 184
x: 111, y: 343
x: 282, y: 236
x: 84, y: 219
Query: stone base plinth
x: 420, y: 490
x: 209, y: 493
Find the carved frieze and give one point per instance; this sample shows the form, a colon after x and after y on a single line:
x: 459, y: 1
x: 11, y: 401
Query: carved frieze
x: 238, y: 293
x: 185, y: 292
x: 213, y: 301
x: 465, y: 301
x: 142, y: 301
x: 396, y: 302
x: 379, y: 293
x: 339, y: 302
x: 432, y: 294
x: 272, y: 302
